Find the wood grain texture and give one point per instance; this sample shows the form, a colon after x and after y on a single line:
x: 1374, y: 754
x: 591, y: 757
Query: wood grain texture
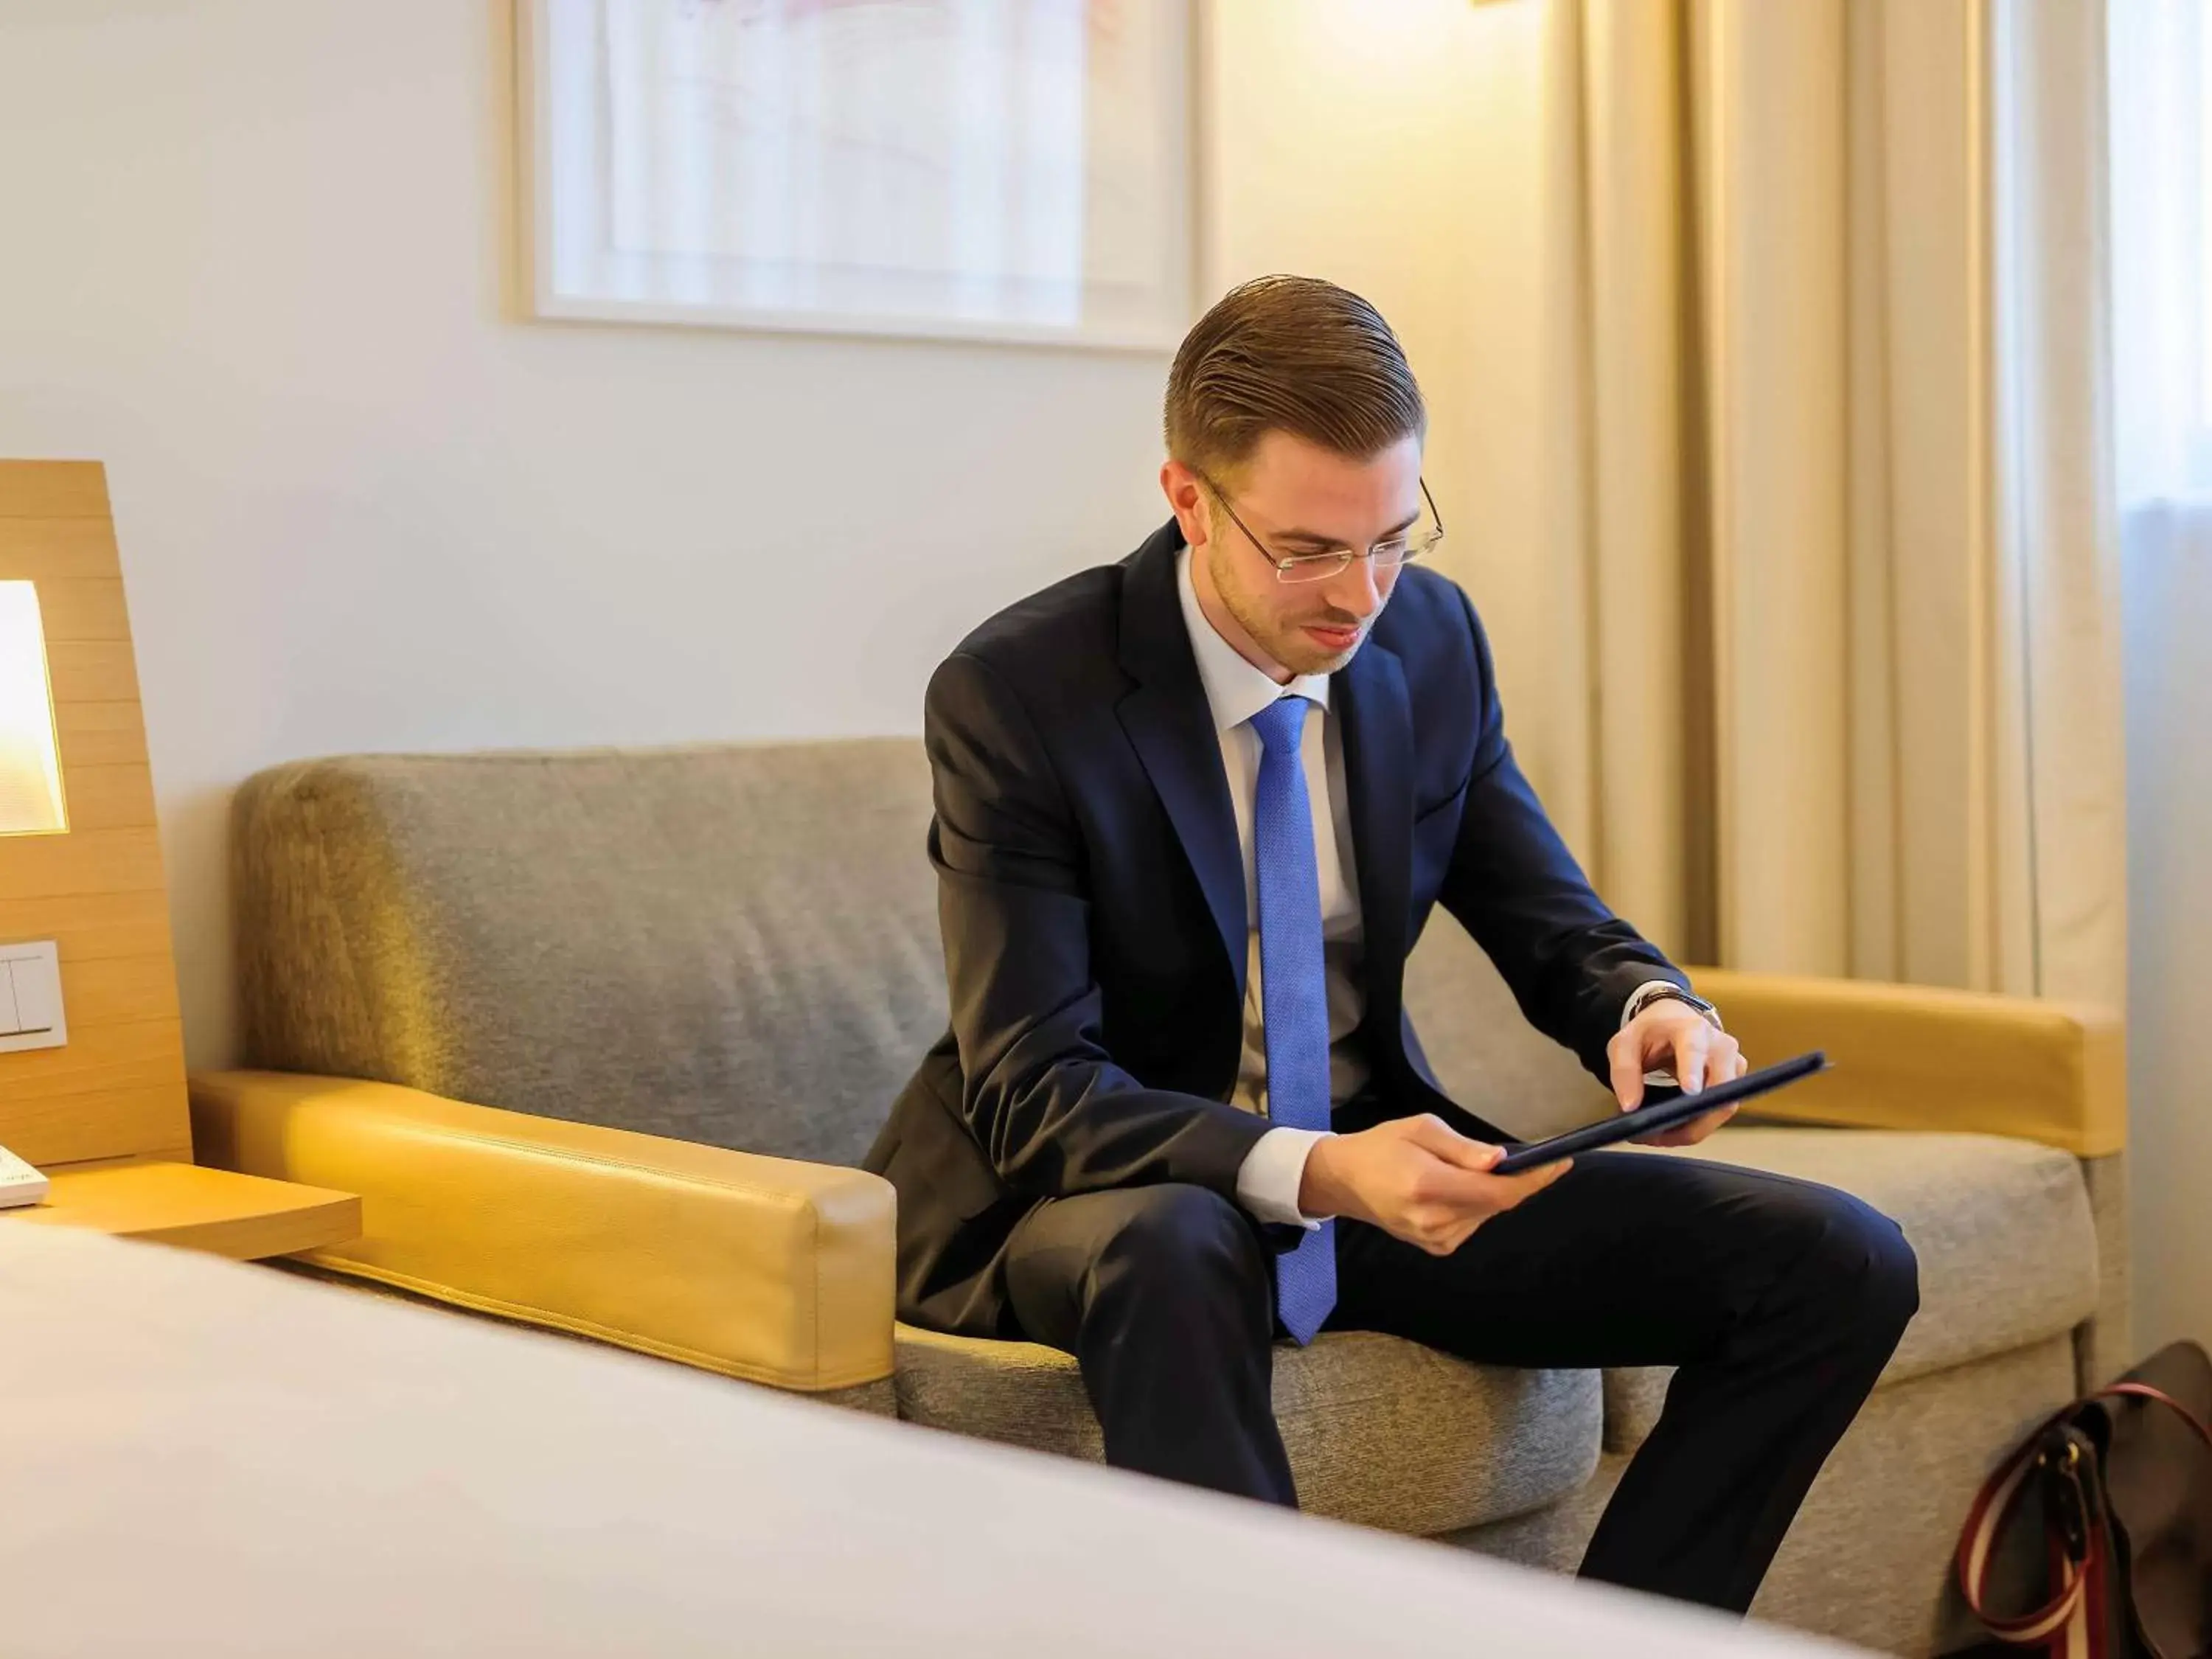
x: 116, y: 1090
x: 53, y: 490
x: 60, y: 549
x: 140, y: 1055
x: 224, y: 1213
x: 119, y: 991
x: 100, y: 925
x: 109, y: 797
x: 54, y: 1130
x: 84, y: 863
x: 100, y: 733
x: 79, y: 610
x: 92, y: 670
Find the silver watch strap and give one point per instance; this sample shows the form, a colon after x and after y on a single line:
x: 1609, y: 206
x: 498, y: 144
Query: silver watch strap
x: 1660, y: 990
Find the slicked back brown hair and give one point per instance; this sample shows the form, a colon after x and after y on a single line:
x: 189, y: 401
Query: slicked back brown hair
x: 1288, y: 354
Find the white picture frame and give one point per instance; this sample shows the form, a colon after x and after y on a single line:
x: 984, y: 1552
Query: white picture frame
x: 1018, y: 170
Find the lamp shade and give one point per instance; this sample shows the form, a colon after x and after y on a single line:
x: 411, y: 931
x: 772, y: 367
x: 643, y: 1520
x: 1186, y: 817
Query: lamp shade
x: 30, y: 761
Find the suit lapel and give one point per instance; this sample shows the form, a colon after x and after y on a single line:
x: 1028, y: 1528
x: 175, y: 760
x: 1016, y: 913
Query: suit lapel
x: 1171, y: 727
x: 1378, y: 775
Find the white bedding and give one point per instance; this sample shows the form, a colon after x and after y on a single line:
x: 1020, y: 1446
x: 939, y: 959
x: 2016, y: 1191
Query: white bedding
x: 198, y: 1457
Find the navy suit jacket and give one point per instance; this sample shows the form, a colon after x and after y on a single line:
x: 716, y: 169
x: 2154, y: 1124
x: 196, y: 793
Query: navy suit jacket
x: 1091, y: 898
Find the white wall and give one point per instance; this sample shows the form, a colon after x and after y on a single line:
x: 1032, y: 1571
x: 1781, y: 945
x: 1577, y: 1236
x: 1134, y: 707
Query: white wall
x: 253, y: 255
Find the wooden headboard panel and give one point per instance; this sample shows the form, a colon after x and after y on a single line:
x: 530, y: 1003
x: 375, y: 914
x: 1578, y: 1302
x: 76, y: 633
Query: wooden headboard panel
x: 117, y: 1089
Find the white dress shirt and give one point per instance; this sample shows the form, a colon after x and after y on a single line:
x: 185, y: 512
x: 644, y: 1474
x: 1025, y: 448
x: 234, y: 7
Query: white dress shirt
x: 1273, y: 1172
x: 1267, y: 1184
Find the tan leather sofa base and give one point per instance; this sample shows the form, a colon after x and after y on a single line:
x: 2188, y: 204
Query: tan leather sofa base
x: 763, y: 1269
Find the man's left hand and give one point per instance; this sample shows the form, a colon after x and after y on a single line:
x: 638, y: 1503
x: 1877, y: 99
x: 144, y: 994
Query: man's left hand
x: 1671, y: 1036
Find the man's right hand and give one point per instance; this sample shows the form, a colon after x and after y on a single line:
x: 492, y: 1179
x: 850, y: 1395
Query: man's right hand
x: 1417, y: 1179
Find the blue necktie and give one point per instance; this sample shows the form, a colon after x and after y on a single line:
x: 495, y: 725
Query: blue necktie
x: 1293, y: 987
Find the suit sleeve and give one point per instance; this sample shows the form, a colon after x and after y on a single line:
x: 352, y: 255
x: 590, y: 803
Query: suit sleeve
x: 1570, y: 963
x: 1043, y: 1099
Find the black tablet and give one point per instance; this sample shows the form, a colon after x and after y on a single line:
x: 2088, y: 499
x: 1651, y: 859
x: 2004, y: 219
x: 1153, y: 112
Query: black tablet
x: 1655, y: 1115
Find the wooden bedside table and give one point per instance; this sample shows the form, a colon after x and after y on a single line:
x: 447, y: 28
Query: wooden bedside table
x: 92, y: 1092
x: 223, y: 1214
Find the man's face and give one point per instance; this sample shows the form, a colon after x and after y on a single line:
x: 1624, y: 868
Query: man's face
x: 1296, y: 498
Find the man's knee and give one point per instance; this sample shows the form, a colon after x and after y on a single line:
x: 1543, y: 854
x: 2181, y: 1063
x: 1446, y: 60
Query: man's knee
x: 1177, y: 1242
x: 1857, y: 1267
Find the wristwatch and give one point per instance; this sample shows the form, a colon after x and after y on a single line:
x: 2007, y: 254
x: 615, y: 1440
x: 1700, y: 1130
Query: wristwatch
x: 1660, y: 990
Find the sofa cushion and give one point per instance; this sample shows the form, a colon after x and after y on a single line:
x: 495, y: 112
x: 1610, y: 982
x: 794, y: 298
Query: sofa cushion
x: 2008, y: 1252
x: 1380, y: 1431
x: 733, y: 945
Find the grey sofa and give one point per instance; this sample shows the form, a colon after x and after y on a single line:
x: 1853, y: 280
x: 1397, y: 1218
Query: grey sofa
x: 585, y: 961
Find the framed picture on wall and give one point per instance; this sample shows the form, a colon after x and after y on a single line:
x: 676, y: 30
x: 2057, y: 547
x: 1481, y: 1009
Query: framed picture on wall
x: 1014, y: 170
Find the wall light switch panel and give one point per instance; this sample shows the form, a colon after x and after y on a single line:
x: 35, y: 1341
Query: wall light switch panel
x: 31, y: 997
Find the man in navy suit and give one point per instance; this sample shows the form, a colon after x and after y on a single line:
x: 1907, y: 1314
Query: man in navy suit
x: 1192, y: 810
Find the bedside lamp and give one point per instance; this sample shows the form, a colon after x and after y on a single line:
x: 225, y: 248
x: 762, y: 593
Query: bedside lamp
x: 91, y: 1054
x: 31, y: 800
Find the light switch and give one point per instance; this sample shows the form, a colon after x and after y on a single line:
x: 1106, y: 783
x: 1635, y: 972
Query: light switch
x: 34, y: 986
x: 11, y: 1023
x: 37, y: 996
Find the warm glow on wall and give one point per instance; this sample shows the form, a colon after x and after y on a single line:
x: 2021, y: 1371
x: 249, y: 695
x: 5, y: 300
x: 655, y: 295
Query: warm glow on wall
x: 30, y: 763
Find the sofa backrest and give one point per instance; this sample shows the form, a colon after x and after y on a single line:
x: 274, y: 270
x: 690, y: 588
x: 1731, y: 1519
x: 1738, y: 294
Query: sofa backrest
x: 730, y: 945
x: 733, y: 945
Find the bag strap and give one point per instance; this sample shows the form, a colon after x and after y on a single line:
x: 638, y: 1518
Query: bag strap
x: 2144, y: 1391
x: 1986, y: 1523
x: 1992, y: 1510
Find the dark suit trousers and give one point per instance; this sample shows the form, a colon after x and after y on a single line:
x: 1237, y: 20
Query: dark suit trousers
x: 1779, y: 1300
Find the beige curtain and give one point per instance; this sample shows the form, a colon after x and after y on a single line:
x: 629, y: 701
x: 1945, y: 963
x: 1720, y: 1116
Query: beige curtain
x: 1828, y: 532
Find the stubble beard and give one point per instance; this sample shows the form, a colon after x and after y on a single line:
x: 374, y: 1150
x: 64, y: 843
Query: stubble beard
x: 1286, y: 643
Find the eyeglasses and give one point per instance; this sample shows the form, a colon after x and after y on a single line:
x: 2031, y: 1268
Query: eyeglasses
x: 1319, y: 567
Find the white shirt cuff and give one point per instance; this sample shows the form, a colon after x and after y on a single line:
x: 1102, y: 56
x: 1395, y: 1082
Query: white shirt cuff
x: 1269, y: 1181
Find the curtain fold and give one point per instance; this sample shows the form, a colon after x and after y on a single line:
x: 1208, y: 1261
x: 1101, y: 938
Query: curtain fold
x: 1828, y: 487
x: 2057, y: 511
x: 2159, y: 78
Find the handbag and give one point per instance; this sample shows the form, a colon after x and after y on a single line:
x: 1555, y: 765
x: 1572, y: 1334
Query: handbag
x: 2123, y: 1478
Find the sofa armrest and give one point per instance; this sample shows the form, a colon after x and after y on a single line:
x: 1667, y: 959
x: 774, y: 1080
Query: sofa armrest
x: 1919, y: 1057
x: 763, y: 1268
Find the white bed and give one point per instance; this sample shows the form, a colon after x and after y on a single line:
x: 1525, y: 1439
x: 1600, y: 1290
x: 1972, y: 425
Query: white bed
x: 198, y: 1457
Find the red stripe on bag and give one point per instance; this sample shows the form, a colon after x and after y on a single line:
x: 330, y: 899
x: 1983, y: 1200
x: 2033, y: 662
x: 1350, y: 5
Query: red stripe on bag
x: 2144, y: 1391
x: 1985, y: 1523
